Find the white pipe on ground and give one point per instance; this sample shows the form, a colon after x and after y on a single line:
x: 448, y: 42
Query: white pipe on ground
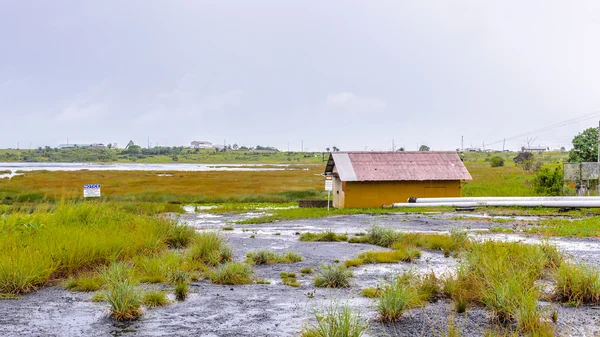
x: 482, y: 199
x: 530, y: 203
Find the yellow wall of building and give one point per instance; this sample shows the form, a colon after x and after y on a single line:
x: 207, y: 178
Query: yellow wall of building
x: 377, y: 193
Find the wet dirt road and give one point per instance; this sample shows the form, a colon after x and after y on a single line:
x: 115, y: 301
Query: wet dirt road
x: 279, y: 310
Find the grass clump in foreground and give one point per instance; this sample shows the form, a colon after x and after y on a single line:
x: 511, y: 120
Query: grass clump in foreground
x: 264, y: 256
x: 402, y: 254
x: 232, y: 273
x: 395, y: 298
x: 336, y: 322
x: 333, y: 277
x: 577, y: 284
x: 210, y: 248
x: 501, y: 276
x: 327, y: 236
x: 84, y: 283
x: 155, y: 299
x: 74, y: 238
x: 289, y: 279
x: 124, y: 299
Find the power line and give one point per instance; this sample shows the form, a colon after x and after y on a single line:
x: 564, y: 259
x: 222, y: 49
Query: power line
x: 551, y: 127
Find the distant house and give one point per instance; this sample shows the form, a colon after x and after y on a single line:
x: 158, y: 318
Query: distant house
x: 472, y: 149
x: 201, y: 144
x: 84, y: 146
x: 373, y: 179
x: 535, y: 149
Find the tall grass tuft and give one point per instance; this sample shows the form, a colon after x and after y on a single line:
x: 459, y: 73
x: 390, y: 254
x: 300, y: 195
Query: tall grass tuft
x: 336, y: 322
x: 232, y: 273
x: 210, y: 248
x: 333, y: 277
x: 155, y: 299
x: 84, y: 283
x: 577, y: 284
x: 326, y: 236
x: 395, y: 298
x: 124, y: 299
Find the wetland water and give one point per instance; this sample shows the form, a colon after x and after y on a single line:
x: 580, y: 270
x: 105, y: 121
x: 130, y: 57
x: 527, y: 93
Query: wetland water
x: 15, y: 168
x: 279, y: 310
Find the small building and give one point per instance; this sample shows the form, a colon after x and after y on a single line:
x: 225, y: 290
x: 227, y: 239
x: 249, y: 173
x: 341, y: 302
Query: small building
x: 201, y: 144
x: 534, y: 149
x: 373, y: 179
x: 82, y: 146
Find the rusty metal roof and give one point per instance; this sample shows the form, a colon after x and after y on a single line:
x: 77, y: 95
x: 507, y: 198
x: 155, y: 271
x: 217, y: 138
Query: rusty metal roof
x: 397, y: 166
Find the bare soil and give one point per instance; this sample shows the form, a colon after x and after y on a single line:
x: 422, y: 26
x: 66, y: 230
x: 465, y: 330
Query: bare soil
x: 279, y: 310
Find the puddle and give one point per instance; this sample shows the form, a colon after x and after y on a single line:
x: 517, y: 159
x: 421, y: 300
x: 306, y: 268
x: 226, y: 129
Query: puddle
x: 279, y: 310
x: 10, y: 175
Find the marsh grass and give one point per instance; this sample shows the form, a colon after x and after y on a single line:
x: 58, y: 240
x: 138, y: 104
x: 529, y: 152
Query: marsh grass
x: 396, y: 298
x: 577, y: 284
x: 501, y: 276
x: 306, y: 270
x: 73, y: 238
x: 155, y: 298
x: 84, y: 283
x: 588, y: 227
x: 181, y: 291
x: 210, y: 248
x: 289, y: 279
x: 124, y: 299
x: 157, y: 269
x: 333, y: 277
x: 264, y: 256
x: 336, y: 321
x: 326, y: 236
x: 232, y: 273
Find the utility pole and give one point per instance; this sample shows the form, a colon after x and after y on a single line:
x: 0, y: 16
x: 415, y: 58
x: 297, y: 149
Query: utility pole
x: 148, y: 142
x: 462, y: 143
x: 302, y: 147
x: 503, y: 143
x: 483, y: 146
x: 393, y: 146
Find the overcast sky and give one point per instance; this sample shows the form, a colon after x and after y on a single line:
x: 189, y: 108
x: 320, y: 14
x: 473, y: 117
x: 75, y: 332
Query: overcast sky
x: 354, y: 74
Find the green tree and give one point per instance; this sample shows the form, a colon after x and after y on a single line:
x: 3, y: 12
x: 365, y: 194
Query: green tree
x: 585, y: 146
x: 424, y: 148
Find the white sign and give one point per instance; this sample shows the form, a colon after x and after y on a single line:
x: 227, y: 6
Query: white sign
x: 91, y: 191
x: 328, y: 185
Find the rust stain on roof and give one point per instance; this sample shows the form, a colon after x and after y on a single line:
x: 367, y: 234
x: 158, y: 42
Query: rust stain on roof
x: 398, y: 166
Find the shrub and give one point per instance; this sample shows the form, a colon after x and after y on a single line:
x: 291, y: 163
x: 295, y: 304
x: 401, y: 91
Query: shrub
x: 155, y: 299
x: 497, y: 161
x: 333, y: 277
x: 232, y: 273
x: 548, y: 182
x: 306, y: 270
x: 334, y: 322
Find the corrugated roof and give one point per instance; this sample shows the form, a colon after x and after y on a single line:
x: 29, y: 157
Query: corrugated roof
x: 397, y: 166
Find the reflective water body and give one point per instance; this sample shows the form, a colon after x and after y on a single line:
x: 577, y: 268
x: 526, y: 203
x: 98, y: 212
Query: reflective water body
x: 18, y: 167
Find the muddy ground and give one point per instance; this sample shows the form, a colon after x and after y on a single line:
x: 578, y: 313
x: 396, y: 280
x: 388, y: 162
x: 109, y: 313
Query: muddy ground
x: 279, y: 310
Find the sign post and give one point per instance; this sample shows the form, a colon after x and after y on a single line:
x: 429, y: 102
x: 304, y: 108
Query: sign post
x: 328, y: 188
x: 91, y: 191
